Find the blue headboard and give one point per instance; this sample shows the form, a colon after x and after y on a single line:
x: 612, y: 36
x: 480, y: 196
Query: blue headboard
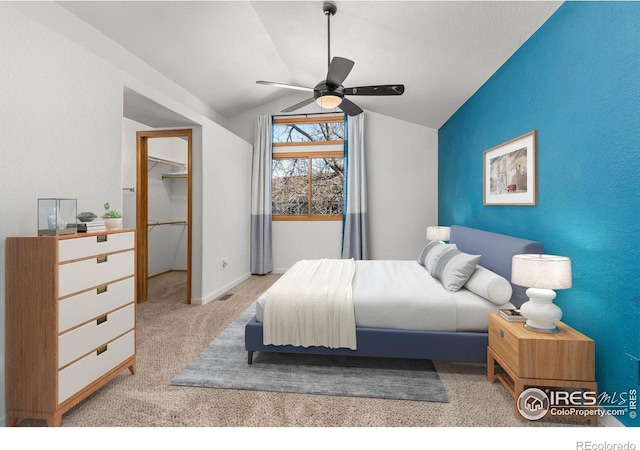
x: 496, y: 252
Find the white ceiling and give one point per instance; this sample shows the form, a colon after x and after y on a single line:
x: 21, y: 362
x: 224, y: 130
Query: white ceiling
x: 441, y: 51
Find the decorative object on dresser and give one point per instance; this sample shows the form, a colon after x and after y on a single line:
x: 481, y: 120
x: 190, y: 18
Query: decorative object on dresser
x: 112, y: 218
x: 57, y: 216
x: 438, y: 233
x: 70, y: 315
x: 563, y: 361
x: 541, y: 274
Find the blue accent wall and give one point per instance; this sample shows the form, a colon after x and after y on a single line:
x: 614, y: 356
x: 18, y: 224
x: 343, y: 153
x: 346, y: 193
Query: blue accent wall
x: 577, y: 82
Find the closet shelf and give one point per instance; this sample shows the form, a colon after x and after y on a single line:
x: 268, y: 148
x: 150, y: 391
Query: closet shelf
x: 168, y: 162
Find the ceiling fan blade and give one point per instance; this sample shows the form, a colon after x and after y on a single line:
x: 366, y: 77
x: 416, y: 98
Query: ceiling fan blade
x: 383, y: 89
x: 299, y: 105
x: 287, y: 86
x: 349, y: 107
x: 338, y: 70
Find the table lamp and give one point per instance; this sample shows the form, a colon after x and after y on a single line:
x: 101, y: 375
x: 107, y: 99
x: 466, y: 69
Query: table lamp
x: 541, y: 274
x: 438, y: 233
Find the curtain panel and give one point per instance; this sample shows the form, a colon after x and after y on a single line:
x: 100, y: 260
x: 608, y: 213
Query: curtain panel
x: 261, y: 246
x: 356, y: 230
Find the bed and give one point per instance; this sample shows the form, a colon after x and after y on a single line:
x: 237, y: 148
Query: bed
x: 466, y: 341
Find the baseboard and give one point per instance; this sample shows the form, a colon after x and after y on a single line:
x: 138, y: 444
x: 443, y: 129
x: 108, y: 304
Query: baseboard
x: 219, y: 292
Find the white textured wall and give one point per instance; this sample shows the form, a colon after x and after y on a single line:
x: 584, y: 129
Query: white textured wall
x: 61, y: 104
x: 54, y: 141
x: 402, y: 166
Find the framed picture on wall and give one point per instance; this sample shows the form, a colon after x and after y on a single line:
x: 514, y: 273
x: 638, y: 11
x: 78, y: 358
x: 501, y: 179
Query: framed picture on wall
x: 510, y: 174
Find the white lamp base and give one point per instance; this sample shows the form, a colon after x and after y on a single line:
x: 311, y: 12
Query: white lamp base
x: 540, y: 311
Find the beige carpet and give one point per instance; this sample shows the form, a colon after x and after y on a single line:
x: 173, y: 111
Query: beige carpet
x: 172, y: 333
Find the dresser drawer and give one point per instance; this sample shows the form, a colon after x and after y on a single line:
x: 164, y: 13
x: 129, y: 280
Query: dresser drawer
x: 85, y: 247
x: 90, y: 273
x: 92, y: 335
x: 85, y: 371
x: 504, y: 343
x: 80, y: 308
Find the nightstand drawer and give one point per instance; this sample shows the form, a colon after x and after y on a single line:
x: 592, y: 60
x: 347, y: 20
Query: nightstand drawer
x: 504, y: 343
x: 85, y: 247
x: 565, y: 355
x: 84, y: 339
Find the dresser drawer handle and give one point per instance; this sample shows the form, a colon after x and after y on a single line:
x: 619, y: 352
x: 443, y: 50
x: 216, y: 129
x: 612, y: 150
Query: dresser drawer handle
x: 101, y: 350
x: 102, y: 238
x: 102, y: 289
x: 501, y: 333
x: 101, y: 259
x: 101, y: 320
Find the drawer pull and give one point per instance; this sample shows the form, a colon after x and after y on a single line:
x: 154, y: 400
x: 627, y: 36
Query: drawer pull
x: 101, y: 350
x: 101, y: 289
x: 102, y: 238
x: 501, y: 333
x: 101, y: 259
x: 101, y: 320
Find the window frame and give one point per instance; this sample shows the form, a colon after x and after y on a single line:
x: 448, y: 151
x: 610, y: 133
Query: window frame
x: 309, y: 155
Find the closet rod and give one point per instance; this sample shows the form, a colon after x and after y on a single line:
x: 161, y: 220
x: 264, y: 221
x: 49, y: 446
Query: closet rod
x: 175, y: 222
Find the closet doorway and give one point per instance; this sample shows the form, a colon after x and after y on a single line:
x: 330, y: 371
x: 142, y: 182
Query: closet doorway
x: 178, y: 172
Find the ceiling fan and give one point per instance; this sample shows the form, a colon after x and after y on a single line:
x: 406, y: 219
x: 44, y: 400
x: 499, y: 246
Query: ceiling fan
x: 330, y: 93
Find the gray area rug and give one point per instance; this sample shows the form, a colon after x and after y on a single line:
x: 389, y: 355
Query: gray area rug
x: 223, y: 365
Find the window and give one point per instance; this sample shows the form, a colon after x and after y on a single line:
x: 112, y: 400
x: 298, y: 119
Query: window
x: 307, y: 172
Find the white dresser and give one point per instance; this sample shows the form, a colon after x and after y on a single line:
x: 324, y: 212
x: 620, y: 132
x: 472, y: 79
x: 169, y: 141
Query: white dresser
x: 70, y: 319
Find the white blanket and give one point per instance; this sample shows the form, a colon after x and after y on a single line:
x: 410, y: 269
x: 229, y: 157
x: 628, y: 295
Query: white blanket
x: 312, y: 305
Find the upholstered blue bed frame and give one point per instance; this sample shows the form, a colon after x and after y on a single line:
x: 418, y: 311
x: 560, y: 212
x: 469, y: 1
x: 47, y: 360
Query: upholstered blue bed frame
x: 497, y: 251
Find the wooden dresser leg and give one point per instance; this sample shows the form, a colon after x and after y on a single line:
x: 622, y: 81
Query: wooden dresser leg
x: 54, y: 421
x: 132, y: 368
x: 12, y: 421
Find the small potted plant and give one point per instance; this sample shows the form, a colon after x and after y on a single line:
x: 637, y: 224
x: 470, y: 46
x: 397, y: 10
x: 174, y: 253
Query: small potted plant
x: 112, y: 218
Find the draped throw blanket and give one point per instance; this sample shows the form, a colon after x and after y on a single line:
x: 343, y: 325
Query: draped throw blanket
x: 355, y: 232
x: 312, y: 305
x: 261, y: 252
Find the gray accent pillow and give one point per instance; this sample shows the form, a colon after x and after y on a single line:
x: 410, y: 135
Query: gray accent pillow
x: 434, y: 254
x: 427, y: 248
x: 454, y: 268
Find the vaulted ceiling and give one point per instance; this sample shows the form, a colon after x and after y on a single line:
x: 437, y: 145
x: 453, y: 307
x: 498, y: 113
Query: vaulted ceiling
x: 441, y: 51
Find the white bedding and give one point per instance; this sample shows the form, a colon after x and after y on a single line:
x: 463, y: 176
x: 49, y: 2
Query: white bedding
x: 312, y: 305
x: 402, y: 295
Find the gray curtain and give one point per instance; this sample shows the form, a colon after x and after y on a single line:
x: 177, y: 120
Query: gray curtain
x: 355, y: 233
x: 261, y: 253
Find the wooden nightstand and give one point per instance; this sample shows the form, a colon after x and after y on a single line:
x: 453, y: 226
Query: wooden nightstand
x: 544, y: 360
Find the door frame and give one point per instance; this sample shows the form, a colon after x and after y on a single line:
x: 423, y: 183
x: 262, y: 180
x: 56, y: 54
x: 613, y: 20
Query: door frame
x: 142, y: 206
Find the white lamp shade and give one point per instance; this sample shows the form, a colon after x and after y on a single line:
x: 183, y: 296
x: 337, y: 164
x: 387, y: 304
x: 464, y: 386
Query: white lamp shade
x: 541, y: 271
x: 329, y: 101
x: 438, y: 233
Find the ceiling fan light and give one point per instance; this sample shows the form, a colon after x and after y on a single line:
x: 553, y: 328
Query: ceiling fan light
x: 329, y: 101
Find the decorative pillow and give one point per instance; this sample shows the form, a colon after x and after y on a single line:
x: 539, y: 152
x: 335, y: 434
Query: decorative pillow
x: 454, y: 268
x: 435, y: 253
x: 490, y: 285
x: 425, y: 250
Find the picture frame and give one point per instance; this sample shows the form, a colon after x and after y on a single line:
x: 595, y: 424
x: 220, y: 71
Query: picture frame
x: 510, y: 172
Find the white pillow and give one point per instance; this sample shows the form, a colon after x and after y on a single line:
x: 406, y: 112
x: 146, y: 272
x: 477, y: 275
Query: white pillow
x: 435, y: 253
x: 454, y: 268
x: 490, y: 285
